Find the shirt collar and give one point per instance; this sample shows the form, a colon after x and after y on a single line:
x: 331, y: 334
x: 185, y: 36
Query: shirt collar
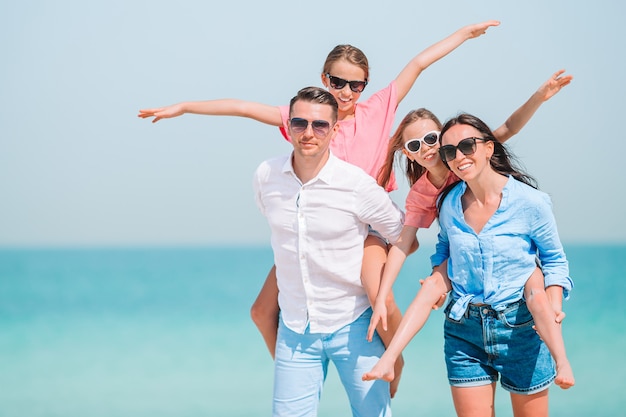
x: 326, y: 173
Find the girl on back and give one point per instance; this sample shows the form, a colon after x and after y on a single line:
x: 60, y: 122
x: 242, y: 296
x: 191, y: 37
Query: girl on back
x: 362, y: 140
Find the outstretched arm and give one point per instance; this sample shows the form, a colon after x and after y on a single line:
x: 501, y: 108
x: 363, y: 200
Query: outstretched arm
x: 521, y: 116
x: 430, y: 55
x: 263, y: 113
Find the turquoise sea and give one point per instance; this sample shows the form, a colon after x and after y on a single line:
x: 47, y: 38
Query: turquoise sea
x: 166, y: 332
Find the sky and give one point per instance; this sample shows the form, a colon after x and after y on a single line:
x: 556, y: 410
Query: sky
x: 78, y: 168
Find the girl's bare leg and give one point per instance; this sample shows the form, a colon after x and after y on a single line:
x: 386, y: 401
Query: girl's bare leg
x: 374, y: 258
x: 475, y: 401
x: 547, y: 327
x: 264, y: 311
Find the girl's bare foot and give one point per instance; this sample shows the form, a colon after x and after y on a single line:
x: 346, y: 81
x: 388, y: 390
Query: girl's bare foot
x: 564, y: 375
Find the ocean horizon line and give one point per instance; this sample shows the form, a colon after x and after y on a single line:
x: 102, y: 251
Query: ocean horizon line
x: 227, y: 246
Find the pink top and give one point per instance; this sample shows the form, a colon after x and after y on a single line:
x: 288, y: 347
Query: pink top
x: 364, y: 140
x: 421, y: 203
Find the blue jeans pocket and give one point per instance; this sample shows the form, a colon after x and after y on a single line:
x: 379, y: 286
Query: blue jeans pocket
x: 516, y: 316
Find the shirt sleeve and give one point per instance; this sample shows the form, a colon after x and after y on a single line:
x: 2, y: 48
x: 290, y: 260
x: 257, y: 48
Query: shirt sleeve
x: 256, y: 185
x: 375, y: 207
x: 550, y: 250
x: 284, y: 114
x: 442, y: 249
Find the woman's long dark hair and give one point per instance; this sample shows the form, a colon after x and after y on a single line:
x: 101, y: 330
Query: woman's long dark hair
x: 502, y: 161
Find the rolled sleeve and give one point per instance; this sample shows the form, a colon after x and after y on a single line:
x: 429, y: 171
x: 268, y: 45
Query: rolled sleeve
x: 551, y: 254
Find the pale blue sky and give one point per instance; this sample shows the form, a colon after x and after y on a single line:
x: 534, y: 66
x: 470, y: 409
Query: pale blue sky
x: 78, y: 168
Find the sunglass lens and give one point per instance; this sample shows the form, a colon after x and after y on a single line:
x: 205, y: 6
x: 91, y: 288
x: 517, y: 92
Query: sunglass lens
x: 413, y: 145
x: 447, y: 152
x: 299, y: 125
x: 336, y: 82
x: 431, y: 138
x: 467, y: 146
x: 320, y: 127
x: 357, y: 86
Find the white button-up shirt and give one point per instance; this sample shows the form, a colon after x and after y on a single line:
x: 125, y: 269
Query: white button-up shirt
x: 318, y: 230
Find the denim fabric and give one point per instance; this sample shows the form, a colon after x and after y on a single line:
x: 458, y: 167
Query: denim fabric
x: 485, y: 344
x: 301, y: 366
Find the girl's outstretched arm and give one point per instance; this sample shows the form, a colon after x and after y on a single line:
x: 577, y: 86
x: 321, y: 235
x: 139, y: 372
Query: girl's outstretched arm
x: 430, y: 55
x: 263, y: 113
x: 521, y: 116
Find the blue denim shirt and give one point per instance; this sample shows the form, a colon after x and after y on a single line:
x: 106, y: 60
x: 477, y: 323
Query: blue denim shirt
x: 493, y: 266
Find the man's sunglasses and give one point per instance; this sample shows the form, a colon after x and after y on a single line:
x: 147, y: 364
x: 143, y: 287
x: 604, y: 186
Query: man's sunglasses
x: 299, y: 125
x: 339, y: 83
x: 414, y: 145
x: 467, y: 146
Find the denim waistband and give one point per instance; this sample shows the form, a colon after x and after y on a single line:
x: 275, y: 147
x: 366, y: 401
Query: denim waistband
x: 486, y: 309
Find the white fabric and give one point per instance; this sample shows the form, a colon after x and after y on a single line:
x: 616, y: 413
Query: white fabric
x: 318, y: 230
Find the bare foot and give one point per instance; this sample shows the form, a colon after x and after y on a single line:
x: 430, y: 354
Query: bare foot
x: 564, y: 375
x: 381, y: 370
x: 397, y: 370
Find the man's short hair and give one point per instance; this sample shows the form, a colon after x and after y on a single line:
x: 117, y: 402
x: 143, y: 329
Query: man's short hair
x: 316, y: 95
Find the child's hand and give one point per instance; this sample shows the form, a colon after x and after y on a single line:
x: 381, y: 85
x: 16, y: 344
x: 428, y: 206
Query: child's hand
x: 478, y: 29
x: 560, y: 315
x: 554, y: 85
x: 162, y: 112
x: 378, y: 315
x: 439, y: 302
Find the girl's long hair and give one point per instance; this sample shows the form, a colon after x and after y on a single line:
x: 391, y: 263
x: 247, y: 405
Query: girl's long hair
x: 413, y: 170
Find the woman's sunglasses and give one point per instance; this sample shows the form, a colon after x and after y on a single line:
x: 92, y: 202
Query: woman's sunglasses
x: 299, y: 125
x: 414, y: 145
x: 467, y: 146
x: 339, y: 83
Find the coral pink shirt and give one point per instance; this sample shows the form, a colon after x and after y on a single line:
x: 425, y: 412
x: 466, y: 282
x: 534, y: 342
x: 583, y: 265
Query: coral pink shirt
x: 421, y: 203
x: 364, y: 140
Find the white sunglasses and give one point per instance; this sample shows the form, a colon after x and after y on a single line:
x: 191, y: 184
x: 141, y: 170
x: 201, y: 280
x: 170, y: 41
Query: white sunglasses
x: 414, y: 145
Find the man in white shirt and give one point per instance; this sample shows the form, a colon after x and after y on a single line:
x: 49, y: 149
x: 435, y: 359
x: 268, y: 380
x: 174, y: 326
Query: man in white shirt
x: 319, y: 209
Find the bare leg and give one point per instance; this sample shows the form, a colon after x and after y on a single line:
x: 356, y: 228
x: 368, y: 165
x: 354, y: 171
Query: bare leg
x: 535, y: 405
x: 475, y: 401
x: 374, y: 258
x: 547, y: 327
x: 264, y: 311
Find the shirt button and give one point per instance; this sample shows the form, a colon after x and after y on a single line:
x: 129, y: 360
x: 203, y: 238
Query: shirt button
x: 485, y: 311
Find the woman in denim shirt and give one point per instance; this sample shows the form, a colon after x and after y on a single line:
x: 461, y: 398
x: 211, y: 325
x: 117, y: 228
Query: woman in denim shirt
x: 494, y: 224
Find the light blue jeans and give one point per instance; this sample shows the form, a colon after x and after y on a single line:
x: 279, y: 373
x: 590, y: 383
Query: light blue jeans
x: 301, y: 366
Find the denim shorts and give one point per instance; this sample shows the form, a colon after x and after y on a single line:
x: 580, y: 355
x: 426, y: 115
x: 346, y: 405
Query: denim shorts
x: 375, y: 233
x: 486, y: 344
